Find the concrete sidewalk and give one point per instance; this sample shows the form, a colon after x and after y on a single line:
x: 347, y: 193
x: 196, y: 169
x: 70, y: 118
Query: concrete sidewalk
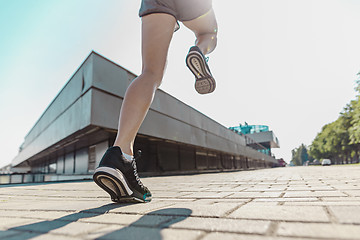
x: 283, y: 203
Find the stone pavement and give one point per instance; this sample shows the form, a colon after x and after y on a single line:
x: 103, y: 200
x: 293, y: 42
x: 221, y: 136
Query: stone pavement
x: 284, y: 203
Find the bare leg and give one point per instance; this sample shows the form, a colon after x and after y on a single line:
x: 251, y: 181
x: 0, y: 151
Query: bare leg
x: 157, y: 31
x: 205, y: 29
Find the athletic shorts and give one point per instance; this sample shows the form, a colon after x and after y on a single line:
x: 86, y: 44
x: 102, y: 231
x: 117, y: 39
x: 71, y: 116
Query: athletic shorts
x: 182, y: 10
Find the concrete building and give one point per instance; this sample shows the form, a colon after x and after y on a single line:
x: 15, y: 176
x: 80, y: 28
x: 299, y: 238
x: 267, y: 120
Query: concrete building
x: 5, y: 169
x: 70, y: 137
x: 258, y: 137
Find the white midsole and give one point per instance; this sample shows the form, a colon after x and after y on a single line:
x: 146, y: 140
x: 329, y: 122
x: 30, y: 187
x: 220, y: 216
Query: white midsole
x: 118, y: 175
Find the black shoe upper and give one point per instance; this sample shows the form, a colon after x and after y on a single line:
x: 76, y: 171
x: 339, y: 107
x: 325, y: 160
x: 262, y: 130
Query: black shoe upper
x: 114, y: 158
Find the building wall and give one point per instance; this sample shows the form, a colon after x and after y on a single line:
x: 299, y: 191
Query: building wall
x: 158, y: 157
x: 80, y: 124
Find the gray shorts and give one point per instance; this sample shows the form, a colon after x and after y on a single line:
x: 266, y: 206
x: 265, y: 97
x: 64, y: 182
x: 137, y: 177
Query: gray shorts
x: 182, y: 10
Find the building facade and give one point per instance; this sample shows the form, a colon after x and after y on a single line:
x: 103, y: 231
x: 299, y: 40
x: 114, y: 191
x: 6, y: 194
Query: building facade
x: 258, y: 137
x: 69, y: 139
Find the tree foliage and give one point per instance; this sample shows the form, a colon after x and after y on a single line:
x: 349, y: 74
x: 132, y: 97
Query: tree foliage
x: 340, y: 140
x: 300, y: 155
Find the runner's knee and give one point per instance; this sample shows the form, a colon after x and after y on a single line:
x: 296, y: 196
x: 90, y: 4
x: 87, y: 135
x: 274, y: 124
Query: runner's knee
x: 153, y: 76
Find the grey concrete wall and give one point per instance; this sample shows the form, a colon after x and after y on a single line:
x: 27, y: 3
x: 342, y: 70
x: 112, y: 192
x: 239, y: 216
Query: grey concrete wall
x: 168, y: 117
x: 78, y: 85
x: 93, y: 97
x: 76, y: 117
x: 265, y: 137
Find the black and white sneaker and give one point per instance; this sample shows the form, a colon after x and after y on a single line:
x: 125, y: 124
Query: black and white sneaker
x: 197, y: 63
x: 119, y: 177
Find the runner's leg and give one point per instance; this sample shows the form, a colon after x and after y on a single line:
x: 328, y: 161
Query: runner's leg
x: 205, y: 30
x: 157, y: 32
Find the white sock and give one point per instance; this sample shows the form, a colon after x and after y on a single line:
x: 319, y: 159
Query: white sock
x: 128, y: 157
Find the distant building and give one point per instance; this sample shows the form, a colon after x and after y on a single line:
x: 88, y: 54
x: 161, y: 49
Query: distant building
x: 6, y: 169
x: 69, y: 139
x: 258, y: 137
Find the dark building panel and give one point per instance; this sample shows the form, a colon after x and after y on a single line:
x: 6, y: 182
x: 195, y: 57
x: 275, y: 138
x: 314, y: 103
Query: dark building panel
x: 201, y: 159
x: 80, y: 124
x: 187, y: 158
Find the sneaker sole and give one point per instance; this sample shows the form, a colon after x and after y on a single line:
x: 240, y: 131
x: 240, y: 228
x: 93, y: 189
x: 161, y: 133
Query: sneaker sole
x: 114, y: 183
x: 204, y: 83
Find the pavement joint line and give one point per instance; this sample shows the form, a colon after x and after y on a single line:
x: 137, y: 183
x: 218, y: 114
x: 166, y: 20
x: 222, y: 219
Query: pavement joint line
x: 348, y: 195
x: 228, y: 195
x: 331, y: 216
x: 39, y: 210
x: 42, y: 196
x: 202, y: 235
x: 160, y: 227
x: 50, y: 233
x: 226, y: 214
x: 191, y: 216
x: 272, y: 229
x: 176, y: 216
x: 218, y: 231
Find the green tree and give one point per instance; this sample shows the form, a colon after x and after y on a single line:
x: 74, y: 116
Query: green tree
x: 300, y: 155
x: 340, y: 140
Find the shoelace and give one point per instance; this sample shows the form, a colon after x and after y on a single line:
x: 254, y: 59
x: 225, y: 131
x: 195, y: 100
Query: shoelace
x: 133, y: 163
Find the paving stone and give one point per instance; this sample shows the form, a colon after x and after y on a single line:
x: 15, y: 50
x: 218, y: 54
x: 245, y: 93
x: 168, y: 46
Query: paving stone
x: 48, y: 236
x: 255, y: 195
x: 23, y: 236
x: 5, y: 234
x: 347, y: 214
x: 168, y: 194
x: 206, y: 195
x: 308, y: 199
x: 176, y: 200
x: 7, y: 223
x: 128, y: 219
x: 74, y: 228
x: 261, y: 204
x: 141, y: 208
x: 225, y: 188
x: 64, y: 205
x: 223, y: 224
x: 328, y: 203
x: 314, y: 194
x: 319, y: 230
x: 143, y: 233
x: 233, y: 236
x: 340, y: 199
x: 266, y: 189
x: 63, y: 216
x: 299, y: 188
x: 11, y: 213
x: 222, y: 200
x: 41, y: 226
x: 346, y: 186
x: 353, y: 193
x: 211, y: 210
x: 281, y: 213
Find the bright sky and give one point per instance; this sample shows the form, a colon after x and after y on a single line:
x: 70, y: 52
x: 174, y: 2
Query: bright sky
x: 289, y: 64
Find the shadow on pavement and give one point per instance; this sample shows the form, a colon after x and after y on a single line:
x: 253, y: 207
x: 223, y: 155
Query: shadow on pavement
x: 43, y: 227
x: 149, y: 229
